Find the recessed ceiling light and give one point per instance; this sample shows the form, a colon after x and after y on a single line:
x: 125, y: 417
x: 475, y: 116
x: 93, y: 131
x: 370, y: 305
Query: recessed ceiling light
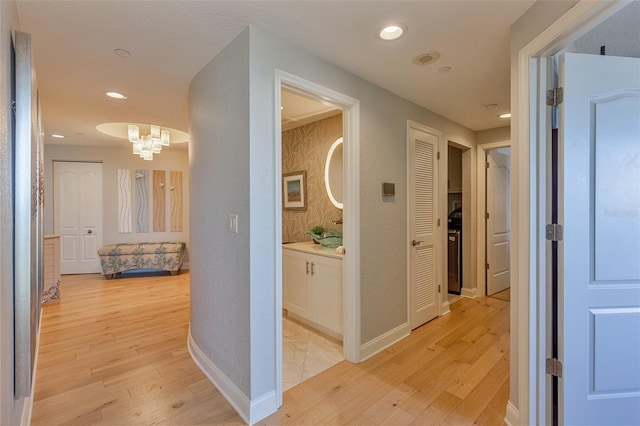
x: 426, y: 58
x: 444, y: 69
x: 491, y: 107
x: 116, y: 95
x: 505, y: 115
x: 391, y: 32
x: 57, y: 136
x: 122, y: 52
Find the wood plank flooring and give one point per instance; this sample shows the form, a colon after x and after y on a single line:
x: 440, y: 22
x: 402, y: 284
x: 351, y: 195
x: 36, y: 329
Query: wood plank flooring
x: 114, y: 352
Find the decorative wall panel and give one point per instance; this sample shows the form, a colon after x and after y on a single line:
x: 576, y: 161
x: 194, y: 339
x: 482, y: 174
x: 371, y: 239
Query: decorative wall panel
x: 306, y: 148
x: 124, y: 201
x: 142, y: 200
x: 159, y: 201
x: 175, y: 189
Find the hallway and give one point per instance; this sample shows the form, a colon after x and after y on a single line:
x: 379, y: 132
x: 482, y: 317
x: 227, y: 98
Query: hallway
x: 114, y: 352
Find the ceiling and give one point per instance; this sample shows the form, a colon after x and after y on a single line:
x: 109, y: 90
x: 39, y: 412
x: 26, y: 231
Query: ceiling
x: 298, y: 110
x: 171, y: 41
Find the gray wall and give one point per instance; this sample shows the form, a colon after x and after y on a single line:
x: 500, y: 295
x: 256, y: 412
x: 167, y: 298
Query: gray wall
x: 532, y: 23
x: 499, y: 134
x: 219, y: 161
x: 219, y: 125
x: 10, y: 410
x: 113, y: 159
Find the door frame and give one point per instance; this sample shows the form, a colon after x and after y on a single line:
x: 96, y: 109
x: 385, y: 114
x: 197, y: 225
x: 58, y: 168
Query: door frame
x: 481, y: 241
x: 469, y: 204
x: 351, y: 263
x: 530, y: 264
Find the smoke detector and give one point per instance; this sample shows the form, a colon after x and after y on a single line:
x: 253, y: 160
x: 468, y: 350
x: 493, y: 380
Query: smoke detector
x: 426, y: 58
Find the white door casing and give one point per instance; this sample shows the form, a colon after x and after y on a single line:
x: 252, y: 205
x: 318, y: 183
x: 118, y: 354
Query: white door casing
x: 424, y: 235
x: 78, y: 215
x: 599, y: 268
x: 498, y: 236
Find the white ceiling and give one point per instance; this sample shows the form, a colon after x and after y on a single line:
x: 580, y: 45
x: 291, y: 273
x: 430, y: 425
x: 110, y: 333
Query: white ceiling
x: 170, y: 41
x: 298, y: 110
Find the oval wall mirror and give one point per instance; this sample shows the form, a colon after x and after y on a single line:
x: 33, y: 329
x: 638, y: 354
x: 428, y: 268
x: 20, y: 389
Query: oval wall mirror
x: 333, y: 173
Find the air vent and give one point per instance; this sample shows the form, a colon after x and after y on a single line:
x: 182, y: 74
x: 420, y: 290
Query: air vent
x: 426, y: 58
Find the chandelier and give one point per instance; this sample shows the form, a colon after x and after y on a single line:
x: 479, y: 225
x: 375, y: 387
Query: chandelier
x: 147, y: 145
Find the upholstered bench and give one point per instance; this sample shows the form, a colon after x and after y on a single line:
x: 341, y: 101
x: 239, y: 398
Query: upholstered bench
x: 118, y: 258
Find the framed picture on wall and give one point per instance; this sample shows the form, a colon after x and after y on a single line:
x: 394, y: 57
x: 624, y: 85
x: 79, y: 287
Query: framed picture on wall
x: 294, y: 191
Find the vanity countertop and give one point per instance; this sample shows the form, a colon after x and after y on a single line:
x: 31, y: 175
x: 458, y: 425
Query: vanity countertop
x: 310, y: 247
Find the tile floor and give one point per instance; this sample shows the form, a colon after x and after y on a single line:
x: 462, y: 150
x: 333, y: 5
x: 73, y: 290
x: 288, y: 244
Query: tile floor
x: 306, y: 352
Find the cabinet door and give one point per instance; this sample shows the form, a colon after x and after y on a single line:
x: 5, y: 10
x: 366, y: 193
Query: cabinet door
x: 326, y: 293
x: 295, y: 282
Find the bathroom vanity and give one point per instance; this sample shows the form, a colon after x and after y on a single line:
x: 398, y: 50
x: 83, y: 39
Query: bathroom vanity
x: 312, y: 286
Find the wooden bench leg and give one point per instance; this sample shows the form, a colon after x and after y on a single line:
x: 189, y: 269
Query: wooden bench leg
x: 109, y: 276
x: 174, y: 272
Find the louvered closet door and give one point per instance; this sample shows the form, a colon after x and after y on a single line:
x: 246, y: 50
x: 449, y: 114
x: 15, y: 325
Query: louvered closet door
x: 423, y: 208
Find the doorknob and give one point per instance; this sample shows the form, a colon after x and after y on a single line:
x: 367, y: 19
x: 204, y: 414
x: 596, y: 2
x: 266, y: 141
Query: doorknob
x: 89, y: 231
x: 416, y: 243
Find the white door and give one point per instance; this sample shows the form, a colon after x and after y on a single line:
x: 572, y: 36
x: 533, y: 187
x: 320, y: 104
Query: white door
x: 424, y: 233
x: 498, y: 220
x: 599, y: 256
x: 78, y: 215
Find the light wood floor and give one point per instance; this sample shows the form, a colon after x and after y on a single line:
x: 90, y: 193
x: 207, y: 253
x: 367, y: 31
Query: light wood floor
x: 114, y: 352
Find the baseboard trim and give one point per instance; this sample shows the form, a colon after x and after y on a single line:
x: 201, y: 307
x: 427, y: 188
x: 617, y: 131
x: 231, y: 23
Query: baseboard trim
x: 227, y: 388
x: 263, y: 406
x: 383, y: 341
x: 513, y: 416
x: 469, y: 292
x: 445, y: 308
x: 250, y: 411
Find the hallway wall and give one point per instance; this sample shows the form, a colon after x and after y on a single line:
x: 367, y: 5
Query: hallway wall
x: 113, y: 159
x: 233, y: 134
x: 11, y: 410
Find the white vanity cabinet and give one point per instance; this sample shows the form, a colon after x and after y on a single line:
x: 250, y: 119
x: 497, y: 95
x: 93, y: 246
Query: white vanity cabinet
x: 312, y: 286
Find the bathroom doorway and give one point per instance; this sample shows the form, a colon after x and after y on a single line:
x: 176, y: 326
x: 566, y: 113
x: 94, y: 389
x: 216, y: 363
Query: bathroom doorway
x: 350, y: 307
x: 312, y: 170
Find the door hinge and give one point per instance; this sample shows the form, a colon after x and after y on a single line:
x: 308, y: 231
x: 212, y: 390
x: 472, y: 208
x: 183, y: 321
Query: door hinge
x: 486, y: 164
x: 13, y: 107
x: 438, y: 288
x: 486, y: 265
x: 486, y: 215
x: 555, y: 96
x: 554, y: 367
x: 438, y: 222
x: 438, y: 155
x: 554, y: 232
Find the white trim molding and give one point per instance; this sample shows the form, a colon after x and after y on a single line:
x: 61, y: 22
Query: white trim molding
x: 471, y: 293
x: 385, y: 340
x: 251, y: 412
x: 512, y: 418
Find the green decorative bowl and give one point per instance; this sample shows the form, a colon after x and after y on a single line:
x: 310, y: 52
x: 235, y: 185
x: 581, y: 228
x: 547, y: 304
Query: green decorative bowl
x: 329, y: 239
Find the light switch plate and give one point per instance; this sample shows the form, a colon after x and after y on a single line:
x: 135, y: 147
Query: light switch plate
x: 232, y: 223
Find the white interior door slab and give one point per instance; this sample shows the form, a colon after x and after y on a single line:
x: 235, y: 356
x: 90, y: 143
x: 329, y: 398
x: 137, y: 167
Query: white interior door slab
x: 498, y: 220
x: 599, y: 257
x: 424, y: 236
x: 78, y: 215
